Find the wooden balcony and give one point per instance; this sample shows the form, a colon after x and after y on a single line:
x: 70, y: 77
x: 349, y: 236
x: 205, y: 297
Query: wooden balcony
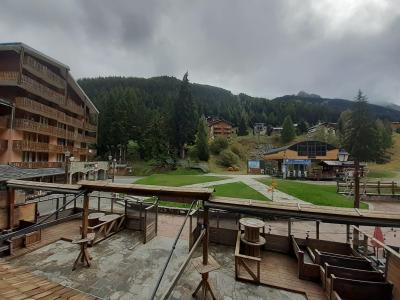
x: 90, y: 140
x: 80, y: 151
x: 47, y: 111
x: 41, y: 71
x: 24, y: 145
x: 37, y: 164
x: 43, y: 91
x: 3, y: 145
x: 75, y: 108
x: 36, y: 127
x: 8, y: 77
x: 90, y: 127
x: 4, y: 121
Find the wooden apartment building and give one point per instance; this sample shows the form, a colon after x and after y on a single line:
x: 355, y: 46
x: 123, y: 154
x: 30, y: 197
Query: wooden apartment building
x: 219, y: 127
x: 43, y: 111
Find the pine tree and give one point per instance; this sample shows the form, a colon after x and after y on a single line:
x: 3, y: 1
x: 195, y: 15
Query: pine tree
x: 184, y: 117
x: 202, y: 140
x: 288, y: 130
x: 155, y: 140
x: 361, y: 138
x: 242, y: 128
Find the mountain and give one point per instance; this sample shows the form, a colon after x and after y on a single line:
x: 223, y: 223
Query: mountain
x: 393, y: 106
x: 155, y: 94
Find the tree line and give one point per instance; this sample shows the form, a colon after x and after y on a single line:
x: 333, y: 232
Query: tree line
x: 155, y: 118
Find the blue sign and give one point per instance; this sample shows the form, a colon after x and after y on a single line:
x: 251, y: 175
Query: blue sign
x: 305, y: 162
x: 253, y: 164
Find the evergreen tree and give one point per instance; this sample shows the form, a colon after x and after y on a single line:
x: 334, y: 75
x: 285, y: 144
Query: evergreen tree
x: 385, y: 140
x: 303, y: 127
x: 361, y: 138
x: 156, y: 140
x: 242, y: 128
x: 202, y: 140
x: 184, y: 117
x: 288, y: 130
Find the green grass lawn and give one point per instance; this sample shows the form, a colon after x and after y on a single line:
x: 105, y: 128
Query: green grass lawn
x: 317, y: 194
x: 176, y: 180
x: 379, y: 174
x: 238, y: 190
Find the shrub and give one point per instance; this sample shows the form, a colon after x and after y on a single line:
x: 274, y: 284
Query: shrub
x: 193, y: 153
x: 218, y: 145
x: 227, y: 158
x: 238, y: 150
x: 397, y: 130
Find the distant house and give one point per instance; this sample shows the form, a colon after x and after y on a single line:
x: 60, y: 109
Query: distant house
x: 219, y: 127
x: 327, y: 127
x: 395, y: 125
x: 260, y: 128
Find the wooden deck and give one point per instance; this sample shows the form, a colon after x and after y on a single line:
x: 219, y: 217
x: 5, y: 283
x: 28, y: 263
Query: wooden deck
x: 18, y: 284
x: 280, y: 270
x: 65, y: 231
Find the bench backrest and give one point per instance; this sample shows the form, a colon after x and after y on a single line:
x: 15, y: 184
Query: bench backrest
x: 345, y: 262
x: 361, y: 290
x: 356, y: 274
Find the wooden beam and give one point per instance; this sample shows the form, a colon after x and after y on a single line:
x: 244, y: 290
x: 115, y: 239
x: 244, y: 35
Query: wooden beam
x: 206, y: 236
x: 85, y: 215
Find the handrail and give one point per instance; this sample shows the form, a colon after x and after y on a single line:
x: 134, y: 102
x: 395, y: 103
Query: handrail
x: 37, y: 225
x: 172, y: 251
x: 179, y: 273
x: 386, y: 247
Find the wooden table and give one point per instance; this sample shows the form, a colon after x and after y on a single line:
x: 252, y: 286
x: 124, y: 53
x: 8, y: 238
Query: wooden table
x: 83, y: 256
x: 251, y: 236
x: 203, y: 271
x: 107, y: 218
x: 93, y: 218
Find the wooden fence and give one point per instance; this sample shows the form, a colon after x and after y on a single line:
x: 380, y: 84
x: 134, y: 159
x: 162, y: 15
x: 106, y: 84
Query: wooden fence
x: 371, y: 188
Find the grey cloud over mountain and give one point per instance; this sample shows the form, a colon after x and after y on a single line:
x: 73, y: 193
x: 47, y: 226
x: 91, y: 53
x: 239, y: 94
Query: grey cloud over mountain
x: 263, y: 48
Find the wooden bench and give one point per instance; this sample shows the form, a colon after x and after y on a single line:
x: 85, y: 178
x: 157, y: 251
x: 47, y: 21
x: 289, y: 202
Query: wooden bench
x: 346, y: 262
x: 318, y: 254
x: 342, y: 272
x: 306, y: 268
x: 350, y: 289
x: 108, y: 226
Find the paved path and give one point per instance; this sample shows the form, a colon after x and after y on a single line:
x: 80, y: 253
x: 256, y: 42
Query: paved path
x: 251, y: 181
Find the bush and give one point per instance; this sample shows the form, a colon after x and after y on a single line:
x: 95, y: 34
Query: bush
x: 397, y: 130
x: 227, y: 158
x: 218, y: 145
x: 193, y: 154
x: 238, y: 150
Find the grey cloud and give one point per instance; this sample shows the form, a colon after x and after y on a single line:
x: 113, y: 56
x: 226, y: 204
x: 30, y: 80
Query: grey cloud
x: 263, y: 48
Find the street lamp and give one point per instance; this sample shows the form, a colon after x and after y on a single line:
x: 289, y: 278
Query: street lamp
x: 113, y: 161
x: 67, y: 155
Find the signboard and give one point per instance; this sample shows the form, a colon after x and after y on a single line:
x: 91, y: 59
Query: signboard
x: 253, y: 164
x: 305, y: 162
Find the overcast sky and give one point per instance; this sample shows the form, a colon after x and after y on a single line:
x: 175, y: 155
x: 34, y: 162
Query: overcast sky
x: 262, y: 48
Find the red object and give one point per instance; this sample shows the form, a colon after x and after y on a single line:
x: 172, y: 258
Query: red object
x: 378, y: 235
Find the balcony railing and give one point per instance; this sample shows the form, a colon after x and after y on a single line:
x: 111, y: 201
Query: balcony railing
x: 75, y: 108
x: 3, y: 145
x: 37, y: 164
x: 42, y: 90
x: 90, y: 127
x: 4, y: 121
x: 25, y: 145
x: 90, y: 139
x: 9, y: 76
x: 47, y: 111
x: 42, y: 71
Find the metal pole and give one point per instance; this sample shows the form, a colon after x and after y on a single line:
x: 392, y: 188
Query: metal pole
x: 356, y: 185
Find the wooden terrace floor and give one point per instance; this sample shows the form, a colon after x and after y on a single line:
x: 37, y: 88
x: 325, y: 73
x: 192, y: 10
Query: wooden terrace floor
x: 280, y: 270
x: 18, y: 284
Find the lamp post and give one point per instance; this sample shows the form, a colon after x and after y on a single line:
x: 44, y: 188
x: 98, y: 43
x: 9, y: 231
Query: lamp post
x: 67, y: 155
x: 343, y: 156
x: 113, y: 161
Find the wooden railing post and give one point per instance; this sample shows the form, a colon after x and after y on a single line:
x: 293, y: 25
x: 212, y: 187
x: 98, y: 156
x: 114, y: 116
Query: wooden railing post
x: 379, y: 187
x: 290, y: 227
x: 348, y: 233
x: 317, y: 223
x: 392, y: 188
x: 57, y: 207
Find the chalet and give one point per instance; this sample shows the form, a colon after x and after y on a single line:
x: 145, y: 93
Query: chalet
x: 327, y: 127
x: 219, y: 127
x: 298, y: 160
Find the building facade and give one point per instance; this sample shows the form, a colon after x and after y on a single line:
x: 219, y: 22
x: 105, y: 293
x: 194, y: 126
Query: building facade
x: 44, y: 114
x: 219, y: 127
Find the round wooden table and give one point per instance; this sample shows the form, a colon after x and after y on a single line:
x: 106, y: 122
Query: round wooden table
x: 251, y: 236
x: 93, y: 218
x: 108, y: 218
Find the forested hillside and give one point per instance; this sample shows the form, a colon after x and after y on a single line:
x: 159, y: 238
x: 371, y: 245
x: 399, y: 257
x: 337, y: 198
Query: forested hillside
x: 129, y: 106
